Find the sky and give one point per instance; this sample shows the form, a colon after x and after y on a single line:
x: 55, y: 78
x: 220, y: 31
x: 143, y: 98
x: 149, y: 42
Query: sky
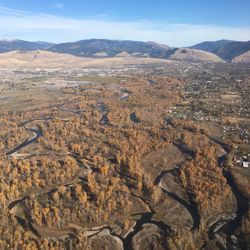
x: 173, y: 22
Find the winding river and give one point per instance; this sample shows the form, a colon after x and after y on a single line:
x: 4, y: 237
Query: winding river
x: 36, y: 134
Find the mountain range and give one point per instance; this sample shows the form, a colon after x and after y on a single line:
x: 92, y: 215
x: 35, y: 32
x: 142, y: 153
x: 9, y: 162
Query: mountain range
x: 216, y: 51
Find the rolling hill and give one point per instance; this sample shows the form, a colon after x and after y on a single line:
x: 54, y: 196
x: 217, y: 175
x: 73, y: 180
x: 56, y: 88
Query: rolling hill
x: 243, y: 58
x: 47, y: 59
x: 192, y: 55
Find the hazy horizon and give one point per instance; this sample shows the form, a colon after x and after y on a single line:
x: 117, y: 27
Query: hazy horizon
x: 36, y: 41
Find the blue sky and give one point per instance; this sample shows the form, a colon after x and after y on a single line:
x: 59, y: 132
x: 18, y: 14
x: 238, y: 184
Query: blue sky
x: 175, y: 22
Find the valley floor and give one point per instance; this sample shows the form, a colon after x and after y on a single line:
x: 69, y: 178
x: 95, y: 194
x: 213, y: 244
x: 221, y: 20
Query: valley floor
x: 133, y: 156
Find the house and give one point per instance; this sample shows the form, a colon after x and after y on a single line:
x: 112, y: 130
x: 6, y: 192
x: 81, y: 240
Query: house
x: 245, y: 164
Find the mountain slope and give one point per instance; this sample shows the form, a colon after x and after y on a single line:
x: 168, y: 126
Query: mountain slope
x: 225, y: 49
x: 210, y: 46
x: 192, y: 55
x: 91, y: 47
x: 11, y: 45
x: 233, y: 49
